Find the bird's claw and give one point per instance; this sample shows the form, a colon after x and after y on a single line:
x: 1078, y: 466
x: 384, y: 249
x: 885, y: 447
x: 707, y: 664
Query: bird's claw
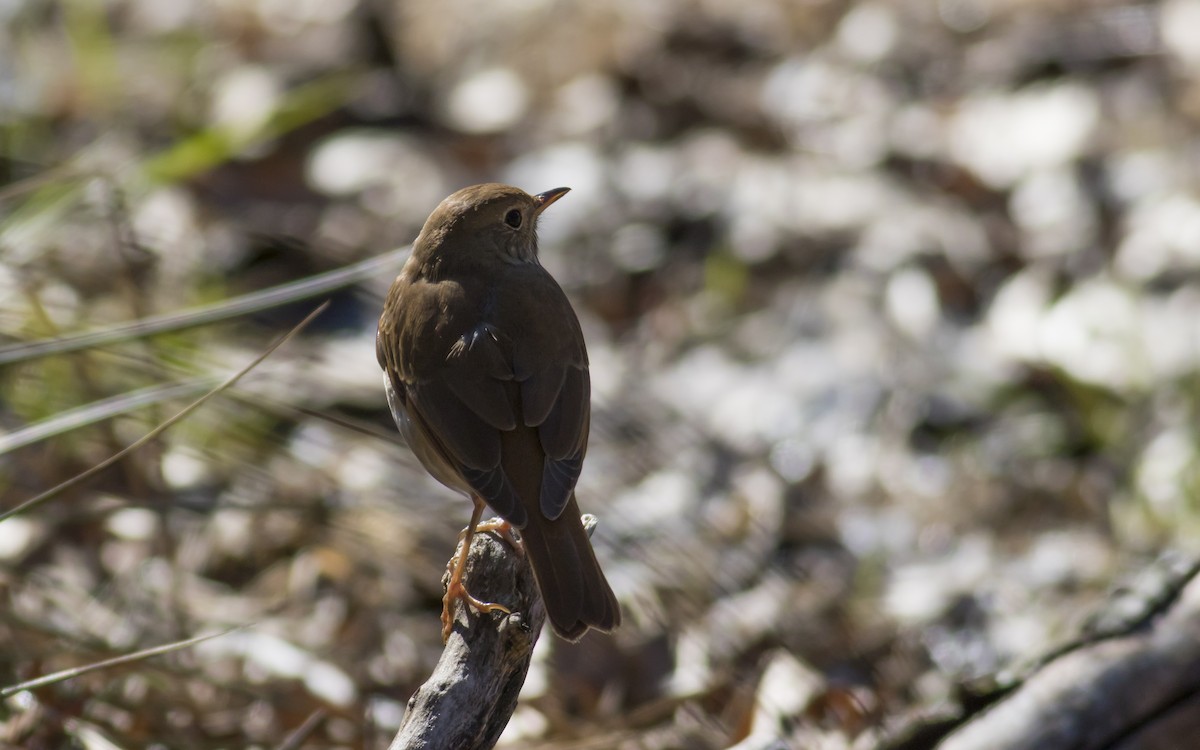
x: 456, y: 590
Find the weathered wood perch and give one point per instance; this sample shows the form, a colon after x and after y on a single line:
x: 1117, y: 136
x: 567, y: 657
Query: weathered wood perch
x: 467, y: 701
x: 1133, y: 683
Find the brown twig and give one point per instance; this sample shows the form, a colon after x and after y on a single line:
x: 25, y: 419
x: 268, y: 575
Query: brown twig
x: 1136, y: 686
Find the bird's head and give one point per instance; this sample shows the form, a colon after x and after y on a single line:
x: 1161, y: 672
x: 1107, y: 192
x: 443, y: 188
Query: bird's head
x: 484, y: 220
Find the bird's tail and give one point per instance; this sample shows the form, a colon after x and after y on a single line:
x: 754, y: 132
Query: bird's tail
x: 573, y: 587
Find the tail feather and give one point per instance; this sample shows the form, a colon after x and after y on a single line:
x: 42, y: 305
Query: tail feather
x: 574, y: 589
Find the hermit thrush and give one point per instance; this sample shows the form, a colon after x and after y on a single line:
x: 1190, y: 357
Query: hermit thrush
x: 487, y: 377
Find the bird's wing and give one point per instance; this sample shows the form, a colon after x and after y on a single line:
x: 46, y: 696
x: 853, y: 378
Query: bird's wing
x: 452, y: 389
x: 568, y: 433
x: 550, y: 364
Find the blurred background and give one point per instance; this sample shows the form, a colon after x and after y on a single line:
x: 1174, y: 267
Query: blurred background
x: 892, y: 310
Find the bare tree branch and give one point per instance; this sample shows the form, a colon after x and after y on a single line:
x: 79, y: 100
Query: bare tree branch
x: 469, y: 698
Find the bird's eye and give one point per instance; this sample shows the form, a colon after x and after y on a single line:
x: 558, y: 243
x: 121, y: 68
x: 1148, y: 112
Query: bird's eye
x: 513, y: 218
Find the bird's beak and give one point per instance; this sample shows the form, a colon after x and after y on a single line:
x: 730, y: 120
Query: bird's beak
x: 541, y: 200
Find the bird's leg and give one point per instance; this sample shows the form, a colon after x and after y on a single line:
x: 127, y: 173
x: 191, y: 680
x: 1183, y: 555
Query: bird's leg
x: 456, y: 589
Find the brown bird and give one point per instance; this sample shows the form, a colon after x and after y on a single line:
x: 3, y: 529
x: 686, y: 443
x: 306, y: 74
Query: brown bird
x: 487, y: 377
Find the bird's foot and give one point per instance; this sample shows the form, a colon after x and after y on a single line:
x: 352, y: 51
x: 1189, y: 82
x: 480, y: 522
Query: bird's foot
x: 504, y: 529
x: 499, y: 526
x: 456, y: 590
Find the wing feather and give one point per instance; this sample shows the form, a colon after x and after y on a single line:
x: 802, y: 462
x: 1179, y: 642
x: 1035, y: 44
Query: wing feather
x: 540, y: 393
